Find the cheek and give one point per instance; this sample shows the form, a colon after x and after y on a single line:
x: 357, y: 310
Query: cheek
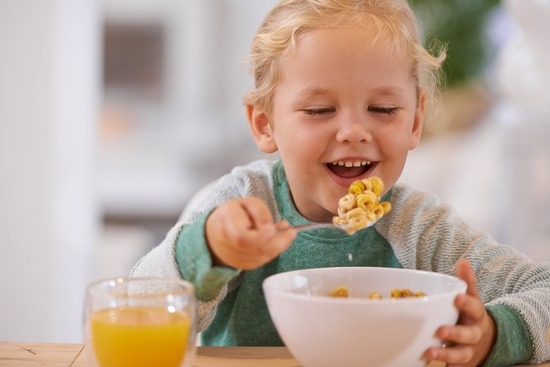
x: 285, y: 141
x: 298, y: 141
x: 395, y: 144
x: 399, y: 140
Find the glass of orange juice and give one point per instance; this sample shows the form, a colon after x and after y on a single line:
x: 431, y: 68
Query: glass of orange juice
x: 140, y: 322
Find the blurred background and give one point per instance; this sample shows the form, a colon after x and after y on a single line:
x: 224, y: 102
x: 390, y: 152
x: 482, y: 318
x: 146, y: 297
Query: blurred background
x: 114, y: 112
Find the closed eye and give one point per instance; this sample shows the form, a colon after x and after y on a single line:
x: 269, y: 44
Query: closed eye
x: 318, y: 111
x: 384, y: 110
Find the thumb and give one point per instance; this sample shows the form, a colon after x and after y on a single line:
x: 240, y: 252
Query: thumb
x: 465, y: 272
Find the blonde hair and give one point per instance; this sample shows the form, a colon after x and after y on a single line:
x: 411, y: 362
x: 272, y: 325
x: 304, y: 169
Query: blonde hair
x: 394, y: 22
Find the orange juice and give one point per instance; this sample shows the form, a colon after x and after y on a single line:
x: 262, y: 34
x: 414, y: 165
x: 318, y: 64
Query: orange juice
x: 140, y: 337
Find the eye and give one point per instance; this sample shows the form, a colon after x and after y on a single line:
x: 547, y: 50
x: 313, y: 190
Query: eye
x: 318, y: 111
x: 384, y: 110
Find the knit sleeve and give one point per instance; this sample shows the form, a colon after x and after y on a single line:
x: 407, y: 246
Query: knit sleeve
x: 510, y: 328
x: 429, y: 236
x: 195, y: 262
x: 184, y: 252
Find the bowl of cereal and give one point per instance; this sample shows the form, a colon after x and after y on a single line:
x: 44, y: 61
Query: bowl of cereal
x: 361, y: 316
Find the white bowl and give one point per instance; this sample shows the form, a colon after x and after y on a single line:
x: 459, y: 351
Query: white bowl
x: 323, y: 331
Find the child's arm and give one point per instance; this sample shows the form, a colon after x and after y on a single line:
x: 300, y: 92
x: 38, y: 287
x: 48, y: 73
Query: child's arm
x: 242, y: 234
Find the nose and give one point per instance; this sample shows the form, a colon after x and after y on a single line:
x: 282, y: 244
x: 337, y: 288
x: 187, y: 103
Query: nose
x: 353, y: 129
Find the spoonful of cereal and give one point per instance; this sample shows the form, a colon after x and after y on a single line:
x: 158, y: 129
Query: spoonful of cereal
x: 359, y: 208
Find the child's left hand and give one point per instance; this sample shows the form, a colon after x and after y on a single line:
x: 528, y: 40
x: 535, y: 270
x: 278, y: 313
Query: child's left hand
x: 469, y: 342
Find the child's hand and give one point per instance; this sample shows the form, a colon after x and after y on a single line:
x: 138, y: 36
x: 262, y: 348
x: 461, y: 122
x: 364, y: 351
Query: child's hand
x: 242, y: 234
x: 470, y: 341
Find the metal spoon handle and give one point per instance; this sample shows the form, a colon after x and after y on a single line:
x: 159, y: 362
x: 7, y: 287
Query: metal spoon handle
x: 311, y: 226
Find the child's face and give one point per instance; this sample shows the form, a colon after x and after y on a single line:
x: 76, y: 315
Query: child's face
x: 340, y: 100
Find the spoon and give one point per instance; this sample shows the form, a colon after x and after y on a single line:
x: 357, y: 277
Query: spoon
x: 312, y: 226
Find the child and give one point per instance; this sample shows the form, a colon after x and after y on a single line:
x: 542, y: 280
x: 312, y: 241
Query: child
x: 341, y: 89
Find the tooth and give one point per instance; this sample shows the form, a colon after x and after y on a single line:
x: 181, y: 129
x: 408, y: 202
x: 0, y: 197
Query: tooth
x: 351, y: 163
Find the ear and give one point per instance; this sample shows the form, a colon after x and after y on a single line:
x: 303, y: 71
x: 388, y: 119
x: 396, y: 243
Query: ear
x: 261, y: 129
x: 418, y: 122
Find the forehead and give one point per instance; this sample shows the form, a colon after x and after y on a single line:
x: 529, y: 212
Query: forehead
x: 346, y: 55
x: 381, y: 30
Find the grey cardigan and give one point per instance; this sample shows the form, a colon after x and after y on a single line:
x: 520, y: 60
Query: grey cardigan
x: 418, y: 233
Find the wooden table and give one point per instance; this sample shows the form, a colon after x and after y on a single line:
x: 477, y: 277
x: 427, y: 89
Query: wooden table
x: 14, y: 354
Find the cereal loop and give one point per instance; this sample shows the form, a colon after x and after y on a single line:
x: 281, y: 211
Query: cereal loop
x: 377, y: 186
x: 371, y: 217
x: 375, y: 295
x: 339, y: 221
x: 368, y: 184
x: 357, y: 218
x: 341, y: 292
x: 378, y: 211
x: 356, y: 188
x: 347, y: 202
x: 387, y: 206
x: 366, y: 200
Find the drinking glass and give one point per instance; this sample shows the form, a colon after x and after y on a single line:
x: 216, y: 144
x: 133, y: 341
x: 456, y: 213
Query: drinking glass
x: 140, y: 322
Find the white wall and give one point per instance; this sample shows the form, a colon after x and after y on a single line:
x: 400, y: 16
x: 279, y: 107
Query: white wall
x: 198, y: 131
x: 48, y: 219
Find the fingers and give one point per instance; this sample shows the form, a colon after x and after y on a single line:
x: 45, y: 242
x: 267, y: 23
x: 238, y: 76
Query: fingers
x: 470, y: 308
x: 468, y: 342
x: 469, y: 305
x: 237, y: 217
x: 282, y: 225
x: 256, y: 232
x: 259, y: 215
x: 458, y: 346
x: 460, y: 334
x: 250, y: 250
x: 242, y: 234
x: 465, y: 272
x: 254, y: 250
x: 460, y: 355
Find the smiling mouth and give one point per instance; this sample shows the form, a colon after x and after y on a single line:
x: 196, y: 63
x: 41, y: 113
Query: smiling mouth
x: 350, y: 169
